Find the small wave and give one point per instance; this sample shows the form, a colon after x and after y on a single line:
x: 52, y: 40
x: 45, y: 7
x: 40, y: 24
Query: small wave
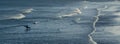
x: 18, y: 16
x: 22, y: 15
x: 77, y: 10
x: 25, y: 11
x: 73, y: 13
x: 68, y: 15
x: 15, y: 14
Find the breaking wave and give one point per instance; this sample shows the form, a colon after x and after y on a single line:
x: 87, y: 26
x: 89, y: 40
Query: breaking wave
x: 25, y: 11
x: 77, y: 11
x: 18, y: 16
x: 15, y: 14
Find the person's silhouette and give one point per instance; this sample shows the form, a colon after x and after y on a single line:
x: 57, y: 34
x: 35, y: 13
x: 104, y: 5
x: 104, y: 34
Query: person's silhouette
x: 27, y: 28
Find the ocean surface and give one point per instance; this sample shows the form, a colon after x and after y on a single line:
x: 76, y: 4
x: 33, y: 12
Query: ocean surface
x: 60, y: 21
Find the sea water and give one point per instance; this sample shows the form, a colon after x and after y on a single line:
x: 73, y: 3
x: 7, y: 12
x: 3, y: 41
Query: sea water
x: 59, y: 22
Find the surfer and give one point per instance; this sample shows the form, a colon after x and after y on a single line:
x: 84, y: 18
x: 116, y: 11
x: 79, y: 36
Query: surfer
x: 28, y: 28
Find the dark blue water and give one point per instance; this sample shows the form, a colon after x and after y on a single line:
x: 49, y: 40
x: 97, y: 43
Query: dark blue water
x: 59, y: 22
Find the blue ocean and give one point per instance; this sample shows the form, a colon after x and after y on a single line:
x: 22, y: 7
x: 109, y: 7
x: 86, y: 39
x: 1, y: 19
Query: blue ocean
x: 59, y: 22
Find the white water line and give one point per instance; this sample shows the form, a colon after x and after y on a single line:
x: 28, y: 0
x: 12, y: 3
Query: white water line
x: 94, y: 26
x: 91, y: 41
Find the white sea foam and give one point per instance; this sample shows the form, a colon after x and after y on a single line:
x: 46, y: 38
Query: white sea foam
x: 94, y: 26
x: 15, y: 14
x: 77, y: 10
x: 27, y: 10
x: 73, y: 13
x: 89, y: 35
x: 18, y: 16
x: 68, y: 15
x: 21, y: 15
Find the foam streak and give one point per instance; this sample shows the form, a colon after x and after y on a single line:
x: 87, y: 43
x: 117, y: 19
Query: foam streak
x: 94, y: 26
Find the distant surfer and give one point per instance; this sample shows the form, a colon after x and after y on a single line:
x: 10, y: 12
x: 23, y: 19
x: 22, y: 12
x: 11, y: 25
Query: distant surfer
x: 28, y: 28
